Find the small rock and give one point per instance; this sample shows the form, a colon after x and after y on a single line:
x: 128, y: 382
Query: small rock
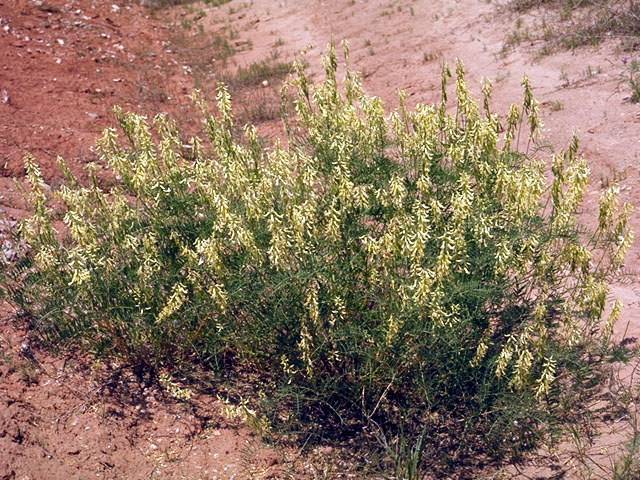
x: 93, y: 116
x: 60, y: 41
x: 115, y: 8
x: 6, y: 471
x: 9, y: 254
x: 4, y: 96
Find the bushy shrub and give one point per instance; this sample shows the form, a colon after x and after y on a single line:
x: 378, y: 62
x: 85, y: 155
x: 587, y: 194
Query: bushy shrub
x: 415, y: 273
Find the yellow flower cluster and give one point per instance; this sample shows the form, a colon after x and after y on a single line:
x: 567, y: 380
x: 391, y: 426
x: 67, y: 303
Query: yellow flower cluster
x: 402, y: 228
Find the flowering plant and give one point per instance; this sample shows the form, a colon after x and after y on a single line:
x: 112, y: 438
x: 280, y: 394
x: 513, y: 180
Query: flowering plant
x: 411, y: 269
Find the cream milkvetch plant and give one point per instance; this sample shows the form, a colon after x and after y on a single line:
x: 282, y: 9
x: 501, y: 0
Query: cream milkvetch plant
x: 393, y: 269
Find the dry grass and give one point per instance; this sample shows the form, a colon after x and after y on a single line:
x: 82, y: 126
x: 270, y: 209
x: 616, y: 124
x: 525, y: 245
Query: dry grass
x: 575, y: 23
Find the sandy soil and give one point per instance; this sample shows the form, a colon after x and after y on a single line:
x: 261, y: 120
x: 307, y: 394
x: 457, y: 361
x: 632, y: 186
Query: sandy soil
x: 66, y: 63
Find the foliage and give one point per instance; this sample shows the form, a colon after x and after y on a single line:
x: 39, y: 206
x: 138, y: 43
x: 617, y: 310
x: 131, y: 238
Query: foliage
x: 632, y: 77
x: 415, y: 274
x: 256, y: 73
x: 160, y: 4
x: 574, y: 23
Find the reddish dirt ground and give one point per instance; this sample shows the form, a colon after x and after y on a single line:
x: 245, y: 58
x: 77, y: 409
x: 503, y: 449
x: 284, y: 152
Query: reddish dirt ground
x: 66, y: 63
